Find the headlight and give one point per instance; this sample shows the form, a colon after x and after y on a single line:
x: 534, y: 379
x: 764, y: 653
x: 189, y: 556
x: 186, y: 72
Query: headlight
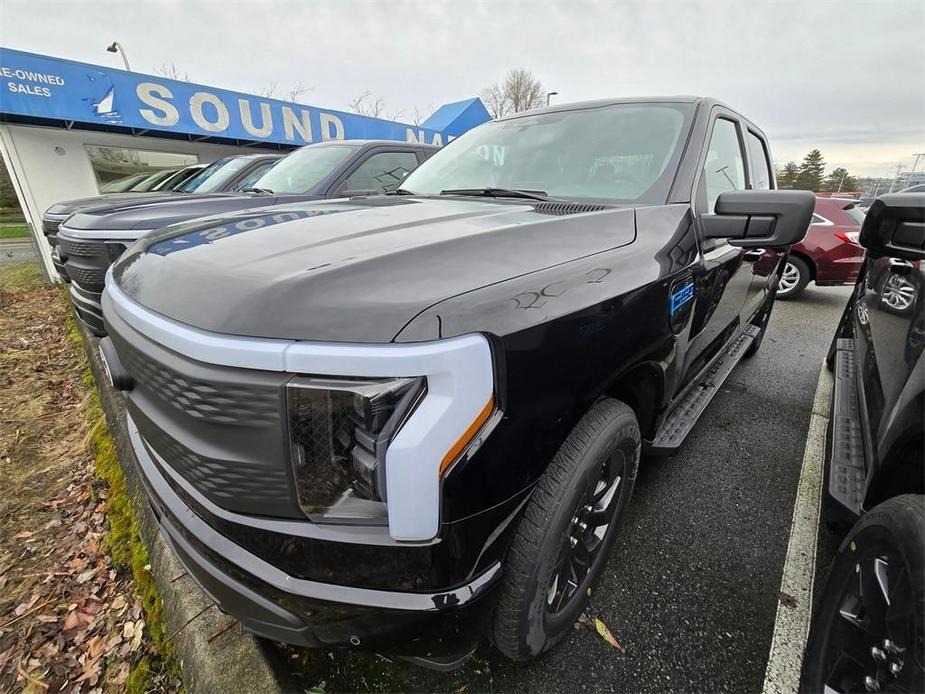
x: 340, y: 430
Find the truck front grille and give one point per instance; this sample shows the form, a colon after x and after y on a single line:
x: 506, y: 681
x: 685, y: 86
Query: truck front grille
x: 220, y: 403
x: 83, y: 249
x: 227, y: 483
x: 222, y: 429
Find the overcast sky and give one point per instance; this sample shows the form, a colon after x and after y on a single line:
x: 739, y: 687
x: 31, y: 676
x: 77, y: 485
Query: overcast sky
x: 846, y: 77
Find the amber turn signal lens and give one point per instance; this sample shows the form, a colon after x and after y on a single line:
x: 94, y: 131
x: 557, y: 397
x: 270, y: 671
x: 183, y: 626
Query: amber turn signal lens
x: 467, y: 436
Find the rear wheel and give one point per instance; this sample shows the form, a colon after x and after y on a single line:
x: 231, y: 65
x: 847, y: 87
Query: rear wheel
x: 867, y: 633
x: 567, y: 530
x: 794, y: 278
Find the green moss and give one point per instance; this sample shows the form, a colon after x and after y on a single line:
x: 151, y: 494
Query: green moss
x: 123, y: 539
x: 138, y: 677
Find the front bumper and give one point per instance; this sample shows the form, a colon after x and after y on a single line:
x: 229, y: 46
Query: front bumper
x: 87, y: 306
x: 278, y: 606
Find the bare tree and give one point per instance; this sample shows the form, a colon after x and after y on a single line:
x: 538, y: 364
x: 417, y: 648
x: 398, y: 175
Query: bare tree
x: 267, y: 92
x: 520, y: 90
x: 368, y: 105
x: 272, y: 91
x: 172, y: 72
x: 495, y: 100
x: 372, y: 106
x: 296, y: 91
x: 422, y: 114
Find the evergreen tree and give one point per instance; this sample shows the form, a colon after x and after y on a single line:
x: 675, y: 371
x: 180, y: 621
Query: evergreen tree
x: 812, y: 171
x: 787, y: 177
x: 840, y: 180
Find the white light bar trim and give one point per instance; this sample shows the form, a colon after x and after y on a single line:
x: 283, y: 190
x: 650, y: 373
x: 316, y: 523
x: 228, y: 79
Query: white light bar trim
x: 100, y: 234
x: 459, y: 384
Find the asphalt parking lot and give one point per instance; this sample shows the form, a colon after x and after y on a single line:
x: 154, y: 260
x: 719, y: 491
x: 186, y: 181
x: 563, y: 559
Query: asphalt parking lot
x: 692, y: 590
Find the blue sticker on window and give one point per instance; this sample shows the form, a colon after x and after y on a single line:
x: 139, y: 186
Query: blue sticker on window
x: 681, y: 296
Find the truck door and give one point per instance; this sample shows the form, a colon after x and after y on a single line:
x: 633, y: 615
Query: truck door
x: 890, y: 334
x: 722, y: 278
x: 763, y: 263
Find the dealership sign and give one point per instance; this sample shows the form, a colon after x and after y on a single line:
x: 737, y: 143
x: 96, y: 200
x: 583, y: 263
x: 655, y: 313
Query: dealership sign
x: 42, y: 87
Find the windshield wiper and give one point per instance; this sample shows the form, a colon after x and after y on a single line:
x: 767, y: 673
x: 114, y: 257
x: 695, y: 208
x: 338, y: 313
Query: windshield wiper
x: 497, y: 193
x: 399, y: 191
x: 259, y: 191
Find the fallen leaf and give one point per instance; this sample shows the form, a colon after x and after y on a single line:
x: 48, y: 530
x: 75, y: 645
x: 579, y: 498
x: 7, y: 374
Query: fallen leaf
x: 605, y: 634
x: 23, y: 535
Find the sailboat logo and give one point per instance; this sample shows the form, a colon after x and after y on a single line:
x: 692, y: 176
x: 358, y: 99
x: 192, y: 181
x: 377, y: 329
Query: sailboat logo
x: 101, y: 97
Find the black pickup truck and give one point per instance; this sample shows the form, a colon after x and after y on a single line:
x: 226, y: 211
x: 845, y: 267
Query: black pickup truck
x: 405, y: 422
x: 868, y: 632
x: 90, y: 239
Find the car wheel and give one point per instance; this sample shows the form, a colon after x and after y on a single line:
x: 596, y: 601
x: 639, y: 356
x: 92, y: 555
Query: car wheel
x: 793, y: 279
x: 566, y: 532
x: 898, y: 294
x: 867, y: 633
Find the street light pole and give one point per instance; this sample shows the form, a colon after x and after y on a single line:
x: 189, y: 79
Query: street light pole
x: 116, y: 47
x: 548, y: 95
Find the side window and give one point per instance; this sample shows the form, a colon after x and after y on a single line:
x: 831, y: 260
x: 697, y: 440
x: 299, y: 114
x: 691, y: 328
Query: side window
x: 383, y: 172
x: 252, y: 177
x: 724, y: 169
x: 760, y: 166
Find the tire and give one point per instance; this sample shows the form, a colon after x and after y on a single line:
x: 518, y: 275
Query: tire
x: 883, y: 556
x: 540, y: 598
x: 798, y: 269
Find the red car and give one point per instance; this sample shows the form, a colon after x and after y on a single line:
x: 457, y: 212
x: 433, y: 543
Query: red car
x: 830, y: 252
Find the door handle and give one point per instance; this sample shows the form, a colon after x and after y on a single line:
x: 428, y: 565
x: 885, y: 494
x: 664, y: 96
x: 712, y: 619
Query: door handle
x: 900, y: 267
x: 752, y: 255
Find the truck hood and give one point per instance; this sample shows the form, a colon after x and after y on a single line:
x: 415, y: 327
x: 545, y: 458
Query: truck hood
x: 146, y: 215
x: 107, y: 201
x: 352, y: 270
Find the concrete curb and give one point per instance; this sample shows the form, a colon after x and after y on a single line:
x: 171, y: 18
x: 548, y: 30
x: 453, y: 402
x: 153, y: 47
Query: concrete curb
x: 213, y: 657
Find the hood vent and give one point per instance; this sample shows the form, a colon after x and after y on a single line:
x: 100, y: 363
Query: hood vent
x: 564, y: 208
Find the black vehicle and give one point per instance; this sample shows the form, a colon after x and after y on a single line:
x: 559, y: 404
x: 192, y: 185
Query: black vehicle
x: 868, y: 633
x: 222, y: 175
x: 402, y: 423
x: 91, y: 239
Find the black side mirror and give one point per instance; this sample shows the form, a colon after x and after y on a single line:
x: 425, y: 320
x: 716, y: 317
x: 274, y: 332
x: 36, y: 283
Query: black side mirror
x: 760, y: 218
x: 895, y: 226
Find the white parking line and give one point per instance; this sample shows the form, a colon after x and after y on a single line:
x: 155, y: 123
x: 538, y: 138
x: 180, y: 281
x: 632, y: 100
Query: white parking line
x: 794, y: 608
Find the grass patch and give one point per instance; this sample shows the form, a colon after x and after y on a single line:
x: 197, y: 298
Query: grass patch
x: 21, y: 277
x: 19, y: 231
x: 123, y: 540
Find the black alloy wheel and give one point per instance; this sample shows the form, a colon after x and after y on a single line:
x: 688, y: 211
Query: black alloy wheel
x: 567, y: 529
x: 867, y: 634
x: 587, y: 530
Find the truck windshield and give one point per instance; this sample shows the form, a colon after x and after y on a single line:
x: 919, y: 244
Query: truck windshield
x: 214, y: 176
x: 305, y: 168
x: 617, y: 153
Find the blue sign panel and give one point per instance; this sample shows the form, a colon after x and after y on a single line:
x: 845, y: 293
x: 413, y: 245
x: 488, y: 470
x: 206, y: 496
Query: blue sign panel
x: 52, y: 88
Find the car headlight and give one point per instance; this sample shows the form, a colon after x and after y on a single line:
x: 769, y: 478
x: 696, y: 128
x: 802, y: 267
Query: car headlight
x: 340, y: 429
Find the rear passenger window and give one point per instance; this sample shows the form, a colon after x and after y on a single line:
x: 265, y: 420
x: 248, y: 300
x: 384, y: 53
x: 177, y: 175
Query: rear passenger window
x: 383, y: 172
x: 724, y: 169
x: 758, y: 159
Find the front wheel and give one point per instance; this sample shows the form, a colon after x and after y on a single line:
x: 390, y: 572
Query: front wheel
x: 567, y: 530
x: 793, y: 279
x: 867, y: 633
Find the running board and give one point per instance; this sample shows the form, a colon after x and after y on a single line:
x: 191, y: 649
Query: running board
x: 684, y: 416
x: 847, y: 471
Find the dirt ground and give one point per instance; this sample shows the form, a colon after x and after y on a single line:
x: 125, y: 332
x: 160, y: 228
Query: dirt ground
x: 70, y: 619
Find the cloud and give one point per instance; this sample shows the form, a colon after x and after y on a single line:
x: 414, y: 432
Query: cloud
x: 843, y: 76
